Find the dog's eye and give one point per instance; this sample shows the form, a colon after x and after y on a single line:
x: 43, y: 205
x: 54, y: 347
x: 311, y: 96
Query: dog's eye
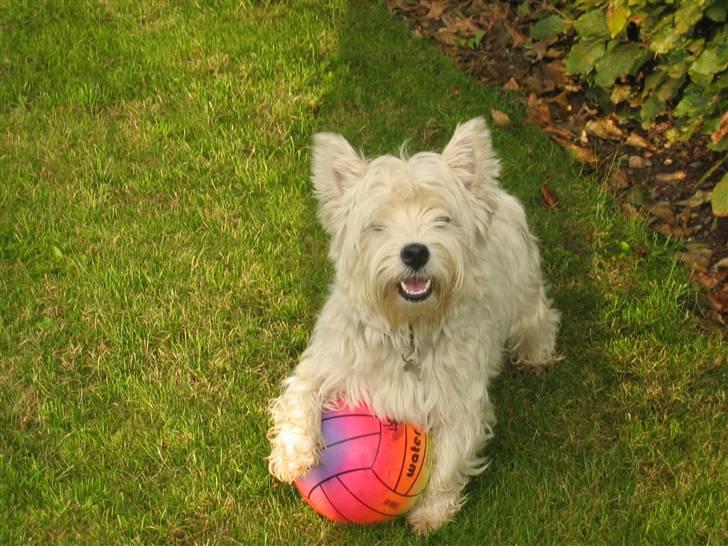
x: 442, y: 219
x: 375, y: 227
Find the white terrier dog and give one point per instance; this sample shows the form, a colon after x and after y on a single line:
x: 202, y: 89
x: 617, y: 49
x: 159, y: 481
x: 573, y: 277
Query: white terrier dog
x: 437, y: 275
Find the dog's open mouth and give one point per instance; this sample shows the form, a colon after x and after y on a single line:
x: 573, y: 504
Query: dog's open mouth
x: 414, y: 289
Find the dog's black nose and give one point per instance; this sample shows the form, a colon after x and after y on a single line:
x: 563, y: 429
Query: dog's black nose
x: 415, y: 255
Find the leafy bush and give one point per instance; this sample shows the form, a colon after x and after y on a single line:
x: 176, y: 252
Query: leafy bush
x: 656, y: 55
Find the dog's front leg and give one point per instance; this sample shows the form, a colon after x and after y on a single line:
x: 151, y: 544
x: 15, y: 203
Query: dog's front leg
x: 457, y: 445
x: 295, y: 435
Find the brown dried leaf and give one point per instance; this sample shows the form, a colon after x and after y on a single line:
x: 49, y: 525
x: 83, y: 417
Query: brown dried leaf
x: 582, y: 155
x: 706, y: 280
x: 437, y: 8
x: 445, y: 37
x: 549, y: 198
x: 553, y: 53
x: 405, y: 6
x: 698, y: 199
x: 559, y: 133
x: 618, y: 179
x: 555, y: 72
x: 671, y: 178
x: 721, y: 131
x: 635, y: 162
x: 674, y: 231
x: 637, y: 141
x: 697, y: 259
x: 533, y: 101
x: 605, y: 128
x: 539, y: 114
x: 500, y: 119
x: 511, y: 85
x: 662, y: 211
x: 719, y: 302
x: 464, y: 26
x: 518, y: 38
x: 562, y: 99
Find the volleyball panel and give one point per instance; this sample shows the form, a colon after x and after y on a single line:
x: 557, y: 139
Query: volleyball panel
x: 403, y: 459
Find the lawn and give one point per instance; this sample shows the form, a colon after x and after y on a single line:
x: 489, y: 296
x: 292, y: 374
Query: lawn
x: 161, y: 267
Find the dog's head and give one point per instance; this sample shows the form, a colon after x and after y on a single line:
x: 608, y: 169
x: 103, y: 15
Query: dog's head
x: 404, y: 231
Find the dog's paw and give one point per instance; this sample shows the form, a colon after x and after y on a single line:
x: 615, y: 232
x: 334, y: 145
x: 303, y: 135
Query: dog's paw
x: 293, y: 453
x: 433, y: 512
x: 535, y: 365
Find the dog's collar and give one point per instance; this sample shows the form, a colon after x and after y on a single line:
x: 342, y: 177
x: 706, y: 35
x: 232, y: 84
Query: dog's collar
x: 412, y: 357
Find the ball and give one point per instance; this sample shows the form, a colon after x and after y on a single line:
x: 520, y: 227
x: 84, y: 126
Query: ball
x: 371, y: 470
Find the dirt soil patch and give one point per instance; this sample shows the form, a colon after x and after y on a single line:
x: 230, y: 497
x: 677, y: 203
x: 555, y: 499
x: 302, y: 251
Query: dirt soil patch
x: 668, y: 183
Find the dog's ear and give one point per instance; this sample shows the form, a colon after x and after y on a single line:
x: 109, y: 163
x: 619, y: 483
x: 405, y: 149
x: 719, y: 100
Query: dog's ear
x: 335, y: 168
x: 470, y: 154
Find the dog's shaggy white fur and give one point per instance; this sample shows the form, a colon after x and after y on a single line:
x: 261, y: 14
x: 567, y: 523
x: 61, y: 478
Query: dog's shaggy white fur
x: 437, y: 276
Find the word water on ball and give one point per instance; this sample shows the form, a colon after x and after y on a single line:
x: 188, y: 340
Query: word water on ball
x: 371, y: 470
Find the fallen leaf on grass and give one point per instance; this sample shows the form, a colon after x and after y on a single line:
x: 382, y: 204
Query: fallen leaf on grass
x: 511, y: 85
x: 539, y: 114
x: 581, y: 154
x: 548, y: 197
x: 501, y: 119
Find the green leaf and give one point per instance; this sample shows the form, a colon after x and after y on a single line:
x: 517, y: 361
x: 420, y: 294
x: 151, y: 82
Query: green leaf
x: 718, y: 11
x: 669, y: 89
x: 719, y: 199
x: 654, y: 81
x: 712, y: 60
x: 592, y: 24
x: 583, y: 56
x: 617, y: 16
x: 664, y: 38
x: 677, y: 63
x: 56, y: 252
x: 722, y: 145
x: 547, y: 28
x: 623, y: 59
x: 694, y: 102
x: 475, y: 41
x: 688, y: 15
x: 652, y: 108
x: 523, y: 10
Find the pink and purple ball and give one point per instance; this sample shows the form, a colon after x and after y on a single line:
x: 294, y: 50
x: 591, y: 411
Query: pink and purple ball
x: 371, y: 470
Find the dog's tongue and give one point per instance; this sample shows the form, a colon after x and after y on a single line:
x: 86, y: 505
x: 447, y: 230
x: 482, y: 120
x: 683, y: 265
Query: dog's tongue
x: 415, y: 285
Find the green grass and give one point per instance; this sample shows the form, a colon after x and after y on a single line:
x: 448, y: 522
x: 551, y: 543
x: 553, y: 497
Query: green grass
x: 161, y: 267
